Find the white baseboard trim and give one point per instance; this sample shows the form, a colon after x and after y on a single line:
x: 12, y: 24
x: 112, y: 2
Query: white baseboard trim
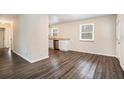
x: 94, y: 53
x: 120, y: 63
x: 22, y: 56
x: 31, y: 61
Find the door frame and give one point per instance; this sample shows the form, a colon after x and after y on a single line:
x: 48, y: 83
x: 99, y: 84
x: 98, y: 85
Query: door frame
x: 118, y: 39
x: 3, y: 37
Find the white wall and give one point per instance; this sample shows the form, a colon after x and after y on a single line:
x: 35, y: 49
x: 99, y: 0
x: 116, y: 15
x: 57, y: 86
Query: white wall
x: 39, y: 37
x: 105, y: 41
x: 31, y: 37
x: 121, y: 29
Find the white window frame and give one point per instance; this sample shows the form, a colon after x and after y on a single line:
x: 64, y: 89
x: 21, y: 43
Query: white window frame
x: 53, y: 29
x: 87, y: 32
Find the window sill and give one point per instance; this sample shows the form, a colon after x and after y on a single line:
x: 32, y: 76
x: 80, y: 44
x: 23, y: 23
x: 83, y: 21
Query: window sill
x: 87, y: 40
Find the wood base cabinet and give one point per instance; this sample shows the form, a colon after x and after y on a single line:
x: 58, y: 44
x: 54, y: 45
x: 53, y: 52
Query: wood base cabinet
x: 64, y: 45
x: 56, y: 44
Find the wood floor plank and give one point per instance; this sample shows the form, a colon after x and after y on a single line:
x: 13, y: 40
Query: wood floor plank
x: 60, y: 65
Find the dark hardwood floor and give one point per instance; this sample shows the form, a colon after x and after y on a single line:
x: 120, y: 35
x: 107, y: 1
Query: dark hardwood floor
x: 60, y: 65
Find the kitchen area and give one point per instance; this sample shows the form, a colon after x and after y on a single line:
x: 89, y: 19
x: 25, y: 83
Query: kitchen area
x: 57, y: 42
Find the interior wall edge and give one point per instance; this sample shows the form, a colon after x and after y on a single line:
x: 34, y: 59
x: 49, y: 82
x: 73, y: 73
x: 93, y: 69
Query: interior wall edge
x: 21, y: 56
x: 31, y: 61
x: 37, y: 60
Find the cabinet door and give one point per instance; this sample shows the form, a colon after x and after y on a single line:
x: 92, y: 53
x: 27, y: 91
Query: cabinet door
x: 64, y: 45
x: 56, y: 44
x: 51, y: 44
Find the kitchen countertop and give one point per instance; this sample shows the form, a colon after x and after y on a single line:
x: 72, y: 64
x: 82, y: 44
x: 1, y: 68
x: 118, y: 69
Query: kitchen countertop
x: 59, y: 39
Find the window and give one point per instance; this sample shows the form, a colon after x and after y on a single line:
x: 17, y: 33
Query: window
x: 87, y: 32
x: 54, y: 31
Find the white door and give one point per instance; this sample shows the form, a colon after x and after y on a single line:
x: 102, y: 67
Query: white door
x: 118, y: 38
x: 1, y: 38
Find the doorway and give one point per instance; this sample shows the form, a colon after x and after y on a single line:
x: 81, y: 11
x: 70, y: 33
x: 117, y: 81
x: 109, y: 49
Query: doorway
x: 2, y: 31
x: 6, y: 35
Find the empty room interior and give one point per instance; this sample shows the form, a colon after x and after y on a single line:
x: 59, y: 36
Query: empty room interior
x: 61, y: 46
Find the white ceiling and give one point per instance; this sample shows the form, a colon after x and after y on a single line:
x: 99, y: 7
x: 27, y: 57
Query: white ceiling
x: 7, y: 17
x: 56, y: 18
x: 62, y: 18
